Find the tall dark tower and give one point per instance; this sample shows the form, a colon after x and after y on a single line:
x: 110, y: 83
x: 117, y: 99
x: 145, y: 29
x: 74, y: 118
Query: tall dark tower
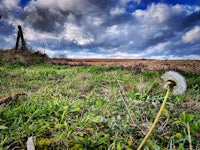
x: 20, y: 36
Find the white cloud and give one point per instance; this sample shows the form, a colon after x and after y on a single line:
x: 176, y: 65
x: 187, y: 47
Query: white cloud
x: 121, y: 6
x: 158, y: 34
x: 10, y: 39
x: 197, y: 8
x: 192, y: 35
x: 9, y: 4
x: 77, y: 35
x: 158, y: 13
x: 151, y: 21
x: 155, y: 13
x: 161, y: 47
x: 174, y: 57
x: 189, y: 9
x: 113, y: 30
x: 96, y: 21
x: 117, y: 11
x: 62, y: 4
x: 117, y: 32
x: 83, y: 54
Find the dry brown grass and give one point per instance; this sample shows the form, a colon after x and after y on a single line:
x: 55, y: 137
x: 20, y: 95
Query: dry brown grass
x: 25, y: 57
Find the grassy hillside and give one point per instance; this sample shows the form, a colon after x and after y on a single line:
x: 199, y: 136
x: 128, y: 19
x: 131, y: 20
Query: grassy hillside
x: 23, y: 57
x: 82, y: 108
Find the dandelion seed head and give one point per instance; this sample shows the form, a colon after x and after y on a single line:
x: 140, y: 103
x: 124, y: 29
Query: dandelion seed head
x: 179, y: 84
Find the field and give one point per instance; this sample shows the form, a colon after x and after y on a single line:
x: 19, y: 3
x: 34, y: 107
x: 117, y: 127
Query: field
x: 82, y: 107
x: 192, y: 66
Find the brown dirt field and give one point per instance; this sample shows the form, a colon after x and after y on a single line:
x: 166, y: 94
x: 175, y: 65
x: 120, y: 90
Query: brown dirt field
x: 9, y: 57
x: 191, y: 66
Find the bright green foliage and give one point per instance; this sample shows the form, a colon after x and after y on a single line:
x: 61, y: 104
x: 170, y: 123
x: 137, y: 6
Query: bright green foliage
x: 81, y: 108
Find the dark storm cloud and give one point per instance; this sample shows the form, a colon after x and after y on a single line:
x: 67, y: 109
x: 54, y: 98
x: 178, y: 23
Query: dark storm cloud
x: 160, y: 37
x: 104, y: 5
x: 45, y: 20
x: 191, y: 20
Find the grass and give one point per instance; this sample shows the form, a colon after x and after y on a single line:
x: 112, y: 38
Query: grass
x: 82, y: 108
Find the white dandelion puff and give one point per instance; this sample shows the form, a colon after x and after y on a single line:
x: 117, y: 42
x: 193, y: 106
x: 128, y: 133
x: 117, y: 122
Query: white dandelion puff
x: 173, y: 82
x: 178, y: 80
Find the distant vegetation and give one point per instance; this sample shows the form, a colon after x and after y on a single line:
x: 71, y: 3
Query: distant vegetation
x: 82, y: 108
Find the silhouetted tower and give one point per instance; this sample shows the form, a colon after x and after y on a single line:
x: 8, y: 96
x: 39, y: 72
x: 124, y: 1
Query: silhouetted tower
x: 20, y: 35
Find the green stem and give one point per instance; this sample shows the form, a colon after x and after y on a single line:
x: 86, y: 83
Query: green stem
x: 189, y: 136
x: 156, y: 119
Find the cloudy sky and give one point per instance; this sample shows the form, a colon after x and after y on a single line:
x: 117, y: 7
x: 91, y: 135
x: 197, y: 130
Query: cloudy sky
x: 156, y: 29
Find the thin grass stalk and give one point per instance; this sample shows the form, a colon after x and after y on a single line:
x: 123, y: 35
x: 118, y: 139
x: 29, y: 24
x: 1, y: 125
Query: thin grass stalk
x: 3, y: 141
x: 126, y: 106
x: 189, y: 136
x: 127, y: 109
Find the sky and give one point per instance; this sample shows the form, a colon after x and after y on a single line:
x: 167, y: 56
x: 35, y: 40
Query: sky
x: 150, y: 29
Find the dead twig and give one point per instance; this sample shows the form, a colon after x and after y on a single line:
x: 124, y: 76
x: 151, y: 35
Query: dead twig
x: 30, y: 143
x: 8, y: 98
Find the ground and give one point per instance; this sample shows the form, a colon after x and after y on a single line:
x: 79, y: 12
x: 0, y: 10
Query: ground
x: 82, y: 107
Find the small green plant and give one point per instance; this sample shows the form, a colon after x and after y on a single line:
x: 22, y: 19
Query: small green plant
x: 186, y: 120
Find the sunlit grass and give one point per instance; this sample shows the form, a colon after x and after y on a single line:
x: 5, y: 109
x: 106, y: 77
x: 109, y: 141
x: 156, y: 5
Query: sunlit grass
x: 82, y: 107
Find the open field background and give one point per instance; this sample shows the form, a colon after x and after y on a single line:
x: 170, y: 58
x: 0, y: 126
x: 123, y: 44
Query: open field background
x: 192, y: 66
x: 10, y: 57
x: 81, y: 107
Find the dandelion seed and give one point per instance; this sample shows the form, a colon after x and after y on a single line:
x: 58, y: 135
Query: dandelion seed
x: 175, y: 82
x: 178, y: 80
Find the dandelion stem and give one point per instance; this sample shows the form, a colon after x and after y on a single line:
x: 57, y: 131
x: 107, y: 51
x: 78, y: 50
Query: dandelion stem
x: 156, y: 119
x: 189, y: 136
